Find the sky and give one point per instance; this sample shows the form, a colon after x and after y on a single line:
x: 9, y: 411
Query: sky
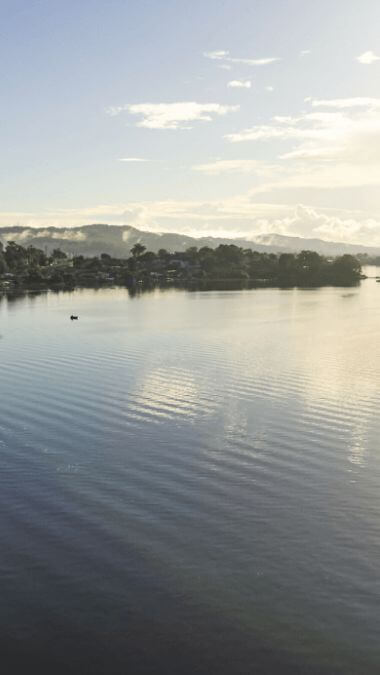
x: 207, y: 117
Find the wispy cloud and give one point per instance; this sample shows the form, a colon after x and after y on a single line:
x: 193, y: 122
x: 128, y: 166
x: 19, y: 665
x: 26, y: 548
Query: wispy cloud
x: 216, y: 55
x: 133, y: 159
x: 223, y: 55
x: 367, y: 58
x: 172, y: 115
x: 114, y: 110
x: 350, y: 131
x: 265, y: 132
x: 353, y: 102
x: 220, y: 166
x: 269, y: 88
x: 240, y: 84
x: 256, y: 62
x: 305, y: 52
x: 319, y: 150
x: 66, y: 234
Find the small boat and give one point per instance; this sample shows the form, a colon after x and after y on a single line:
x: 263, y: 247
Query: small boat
x: 73, y: 317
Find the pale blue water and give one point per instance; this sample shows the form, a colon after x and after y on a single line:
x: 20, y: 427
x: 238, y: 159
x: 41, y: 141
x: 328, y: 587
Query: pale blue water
x: 189, y: 482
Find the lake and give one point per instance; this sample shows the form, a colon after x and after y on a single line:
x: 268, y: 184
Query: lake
x: 190, y: 482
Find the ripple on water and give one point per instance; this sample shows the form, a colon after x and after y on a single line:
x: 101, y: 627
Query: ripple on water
x: 198, y: 485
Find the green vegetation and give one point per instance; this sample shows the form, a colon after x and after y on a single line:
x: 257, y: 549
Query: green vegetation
x: 366, y: 259
x: 205, y: 267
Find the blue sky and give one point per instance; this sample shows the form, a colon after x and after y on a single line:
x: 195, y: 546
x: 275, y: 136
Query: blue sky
x: 214, y: 117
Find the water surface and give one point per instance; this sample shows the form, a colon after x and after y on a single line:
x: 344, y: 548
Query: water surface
x: 190, y: 482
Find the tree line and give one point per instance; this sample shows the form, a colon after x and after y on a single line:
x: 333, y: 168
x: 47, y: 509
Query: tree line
x: 30, y: 266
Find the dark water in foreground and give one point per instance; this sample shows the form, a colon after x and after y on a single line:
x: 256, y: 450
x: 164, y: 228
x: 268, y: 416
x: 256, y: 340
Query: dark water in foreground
x: 189, y: 483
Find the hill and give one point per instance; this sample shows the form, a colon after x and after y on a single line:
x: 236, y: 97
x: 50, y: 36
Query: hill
x: 117, y: 240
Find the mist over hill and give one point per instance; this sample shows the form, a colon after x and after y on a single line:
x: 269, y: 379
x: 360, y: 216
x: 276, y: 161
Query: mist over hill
x: 117, y: 240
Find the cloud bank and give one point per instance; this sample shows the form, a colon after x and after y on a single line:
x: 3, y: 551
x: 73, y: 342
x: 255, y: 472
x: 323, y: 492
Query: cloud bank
x: 235, y: 216
x: 335, y: 145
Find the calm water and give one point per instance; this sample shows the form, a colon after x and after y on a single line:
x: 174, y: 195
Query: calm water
x: 190, y: 482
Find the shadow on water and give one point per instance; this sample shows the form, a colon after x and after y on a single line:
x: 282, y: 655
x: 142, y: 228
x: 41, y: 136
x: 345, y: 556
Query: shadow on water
x: 138, y: 289
x: 13, y: 297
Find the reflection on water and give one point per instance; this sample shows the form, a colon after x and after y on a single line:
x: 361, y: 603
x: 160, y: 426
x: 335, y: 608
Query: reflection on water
x: 190, y: 481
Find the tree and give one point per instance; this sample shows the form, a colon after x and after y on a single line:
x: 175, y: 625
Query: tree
x: 287, y: 268
x: 36, y: 256
x: 16, y: 256
x: 206, y: 256
x: 346, y: 268
x: 137, y: 250
x: 147, y: 258
x: 34, y: 277
x: 3, y: 264
x: 287, y: 262
x: 192, y: 253
x: 229, y: 253
x: 92, y: 263
x: 78, y: 261
x: 58, y: 254
x: 309, y: 260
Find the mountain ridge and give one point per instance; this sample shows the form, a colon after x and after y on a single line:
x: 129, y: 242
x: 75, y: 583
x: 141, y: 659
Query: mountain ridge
x: 117, y: 240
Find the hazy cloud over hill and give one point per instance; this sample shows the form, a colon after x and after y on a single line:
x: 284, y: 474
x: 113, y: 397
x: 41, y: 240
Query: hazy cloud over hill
x: 118, y: 240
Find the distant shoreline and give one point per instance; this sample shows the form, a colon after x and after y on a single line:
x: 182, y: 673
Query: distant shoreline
x: 227, y: 266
